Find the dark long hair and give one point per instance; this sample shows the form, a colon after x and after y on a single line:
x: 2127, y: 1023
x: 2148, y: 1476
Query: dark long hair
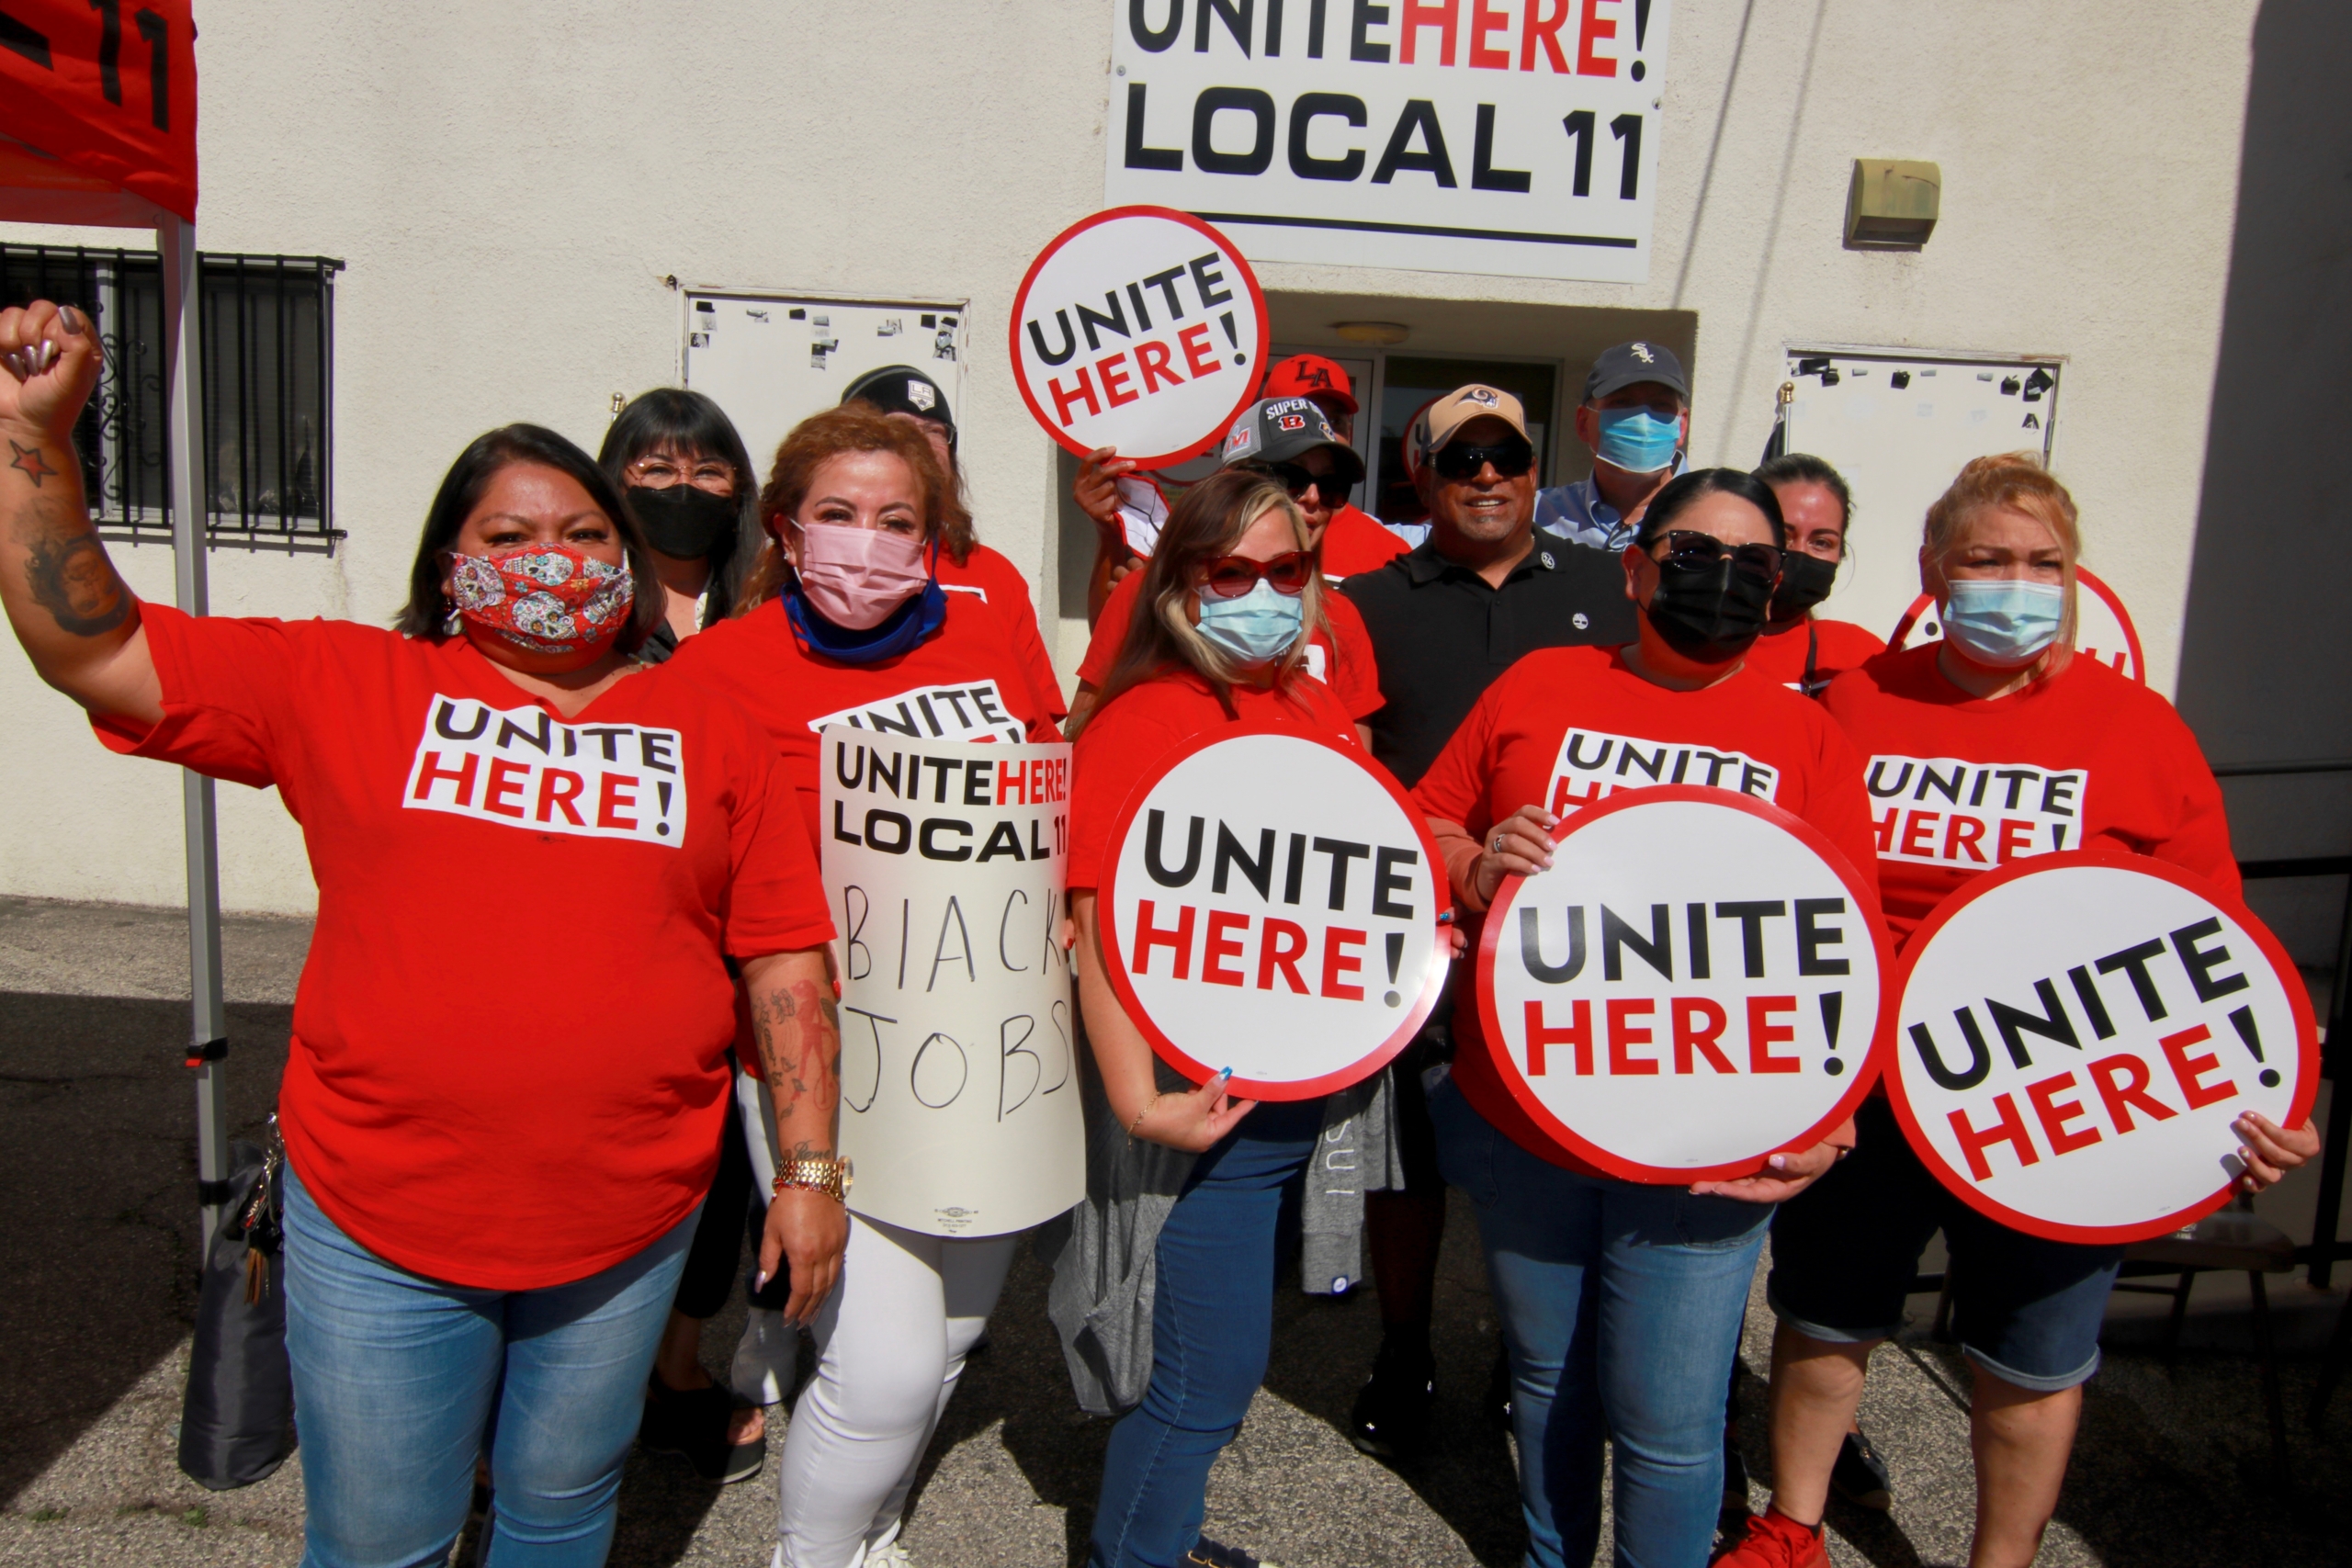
x: 1207, y: 522
x: 1804, y: 469
x: 426, y: 614
x: 674, y: 419
x: 1686, y: 489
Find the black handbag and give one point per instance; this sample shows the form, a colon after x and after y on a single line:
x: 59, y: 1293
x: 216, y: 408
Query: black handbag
x: 237, y: 1425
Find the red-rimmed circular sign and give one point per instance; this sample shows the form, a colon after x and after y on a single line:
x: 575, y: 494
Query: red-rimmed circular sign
x: 1694, y: 984
x: 1140, y: 328
x: 2075, y: 1033
x: 1270, y: 905
x: 2105, y: 631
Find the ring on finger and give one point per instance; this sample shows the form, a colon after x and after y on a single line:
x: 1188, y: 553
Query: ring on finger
x: 1499, y: 843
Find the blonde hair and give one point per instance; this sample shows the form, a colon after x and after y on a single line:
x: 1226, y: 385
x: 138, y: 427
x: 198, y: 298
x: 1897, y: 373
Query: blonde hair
x: 1207, y: 522
x: 2007, y: 482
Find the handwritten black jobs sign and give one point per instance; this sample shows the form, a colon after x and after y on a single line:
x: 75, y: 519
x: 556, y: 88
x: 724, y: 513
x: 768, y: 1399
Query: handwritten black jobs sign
x: 1694, y: 984
x: 2077, y: 1033
x: 945, y: 866
x: 1270, y: 906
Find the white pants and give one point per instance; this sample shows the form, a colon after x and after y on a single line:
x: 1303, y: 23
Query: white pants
x: 890, y: 1343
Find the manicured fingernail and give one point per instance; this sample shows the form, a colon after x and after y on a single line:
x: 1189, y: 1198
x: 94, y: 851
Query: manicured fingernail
x: 761, y: 1282
x: 71, y: 319
x: 48, y: 353
x: 1779, y: 1162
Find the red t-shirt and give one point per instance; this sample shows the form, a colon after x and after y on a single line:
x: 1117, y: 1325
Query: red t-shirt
x: 1354, y: 541
x: 1778, y: 656
x: 509, y: 1062
x: 1565, y: 726
x: 1348, y: 670
x: 988, y: 577
x: 966, y: 681
x: 1143, y: 722
x: 2086, y: 759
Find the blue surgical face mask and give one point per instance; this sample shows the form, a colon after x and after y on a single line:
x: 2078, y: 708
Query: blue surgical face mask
x: 2003, y: 622
x: 1258, y: 627
x: 1637, y: 440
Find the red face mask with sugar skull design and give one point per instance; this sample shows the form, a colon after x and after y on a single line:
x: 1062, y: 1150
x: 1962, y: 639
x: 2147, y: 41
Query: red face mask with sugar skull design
x: 544, y: 598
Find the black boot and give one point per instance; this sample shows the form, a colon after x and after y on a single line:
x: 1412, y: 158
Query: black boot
x: 1392, y: 1415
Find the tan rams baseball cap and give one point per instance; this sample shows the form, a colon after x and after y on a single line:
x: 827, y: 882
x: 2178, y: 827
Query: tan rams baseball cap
x: 1467, y: 402
x: 1440, y: 418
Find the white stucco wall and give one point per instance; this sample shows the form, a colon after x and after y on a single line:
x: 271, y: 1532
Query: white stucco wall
x: 511, y: 187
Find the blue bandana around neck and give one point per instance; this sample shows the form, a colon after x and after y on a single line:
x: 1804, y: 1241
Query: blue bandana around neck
x: 910, y: 623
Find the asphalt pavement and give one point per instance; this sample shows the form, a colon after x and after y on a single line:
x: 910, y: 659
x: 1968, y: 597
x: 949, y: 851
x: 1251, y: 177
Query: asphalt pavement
x: 97, y: 1295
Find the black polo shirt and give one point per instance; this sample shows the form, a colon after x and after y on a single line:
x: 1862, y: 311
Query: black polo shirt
x: 1441, y: 635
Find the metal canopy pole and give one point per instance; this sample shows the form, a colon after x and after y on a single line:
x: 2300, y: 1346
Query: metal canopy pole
x: 182, y: 421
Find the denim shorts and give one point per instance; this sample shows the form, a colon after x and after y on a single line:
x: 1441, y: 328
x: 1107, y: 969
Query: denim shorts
x: 1846, y: 1249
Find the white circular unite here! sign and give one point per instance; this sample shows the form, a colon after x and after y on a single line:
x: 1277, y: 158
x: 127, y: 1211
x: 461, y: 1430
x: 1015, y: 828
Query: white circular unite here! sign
x: 1693, y: 986
x: 1270, y: 905
x: 2076, y: 1035
x: 1140, y: 328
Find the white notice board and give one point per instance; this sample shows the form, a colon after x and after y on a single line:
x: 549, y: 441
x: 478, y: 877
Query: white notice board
x: 1511, y: 137
x: 1899, y: 427
x: 771, y: 361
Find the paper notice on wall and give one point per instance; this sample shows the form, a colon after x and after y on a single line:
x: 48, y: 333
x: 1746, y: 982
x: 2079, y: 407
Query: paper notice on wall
x: 945, y: 864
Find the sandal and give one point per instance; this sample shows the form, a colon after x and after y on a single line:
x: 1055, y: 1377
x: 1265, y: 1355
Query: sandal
x: 692, y: 1423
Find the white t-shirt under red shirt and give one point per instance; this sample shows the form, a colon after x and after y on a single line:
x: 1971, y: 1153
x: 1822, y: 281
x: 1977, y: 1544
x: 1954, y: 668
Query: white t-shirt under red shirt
x: 509, y: 1061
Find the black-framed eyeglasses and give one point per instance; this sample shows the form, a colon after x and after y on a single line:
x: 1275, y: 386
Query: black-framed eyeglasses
x: 1688, y: 546
x: 1510, y: 458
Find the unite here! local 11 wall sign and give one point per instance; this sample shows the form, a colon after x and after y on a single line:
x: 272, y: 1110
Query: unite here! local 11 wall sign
x: 1692, y: 985
x: 2077, y: 1031
x: 1511, y: 137
x: 945, y: 863
x: 1172, y: 357
x: 1270, y: 906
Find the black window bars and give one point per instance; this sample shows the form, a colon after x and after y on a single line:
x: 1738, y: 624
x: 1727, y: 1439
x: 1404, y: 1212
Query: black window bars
x: 2337, y: 1054
x: 267, y: 352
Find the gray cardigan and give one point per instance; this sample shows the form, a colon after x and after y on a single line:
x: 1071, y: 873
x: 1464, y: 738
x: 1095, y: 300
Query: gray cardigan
x: 1103, y: 1251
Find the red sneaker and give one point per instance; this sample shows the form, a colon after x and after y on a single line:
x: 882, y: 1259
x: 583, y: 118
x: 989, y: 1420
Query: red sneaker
x: 1773, y: 1540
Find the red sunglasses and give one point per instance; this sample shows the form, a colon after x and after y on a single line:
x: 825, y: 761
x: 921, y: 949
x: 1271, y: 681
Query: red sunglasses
x: 1229, y: 577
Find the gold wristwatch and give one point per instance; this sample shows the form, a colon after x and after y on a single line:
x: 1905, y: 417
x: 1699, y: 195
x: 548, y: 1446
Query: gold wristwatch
x: 827, y: 1174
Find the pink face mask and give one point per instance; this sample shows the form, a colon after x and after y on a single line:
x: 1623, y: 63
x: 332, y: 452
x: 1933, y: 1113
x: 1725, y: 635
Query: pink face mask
x: 855, y: 577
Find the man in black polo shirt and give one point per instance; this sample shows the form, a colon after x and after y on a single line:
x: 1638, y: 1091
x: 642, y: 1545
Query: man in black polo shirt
x: 1483, y: 590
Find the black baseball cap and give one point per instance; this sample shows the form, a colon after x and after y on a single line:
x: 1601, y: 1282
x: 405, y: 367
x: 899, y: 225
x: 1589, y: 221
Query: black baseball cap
x: 1628, y: 363
x: 1279, y: 430
x: 902, y: 388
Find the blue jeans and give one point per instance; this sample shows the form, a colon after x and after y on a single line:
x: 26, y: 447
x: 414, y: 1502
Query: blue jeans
x: 1212, y: 1327
x: 1620, y: 1304
x: 399, y: 1379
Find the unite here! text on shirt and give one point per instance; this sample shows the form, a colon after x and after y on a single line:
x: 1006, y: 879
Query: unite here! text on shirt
x: 523, y: 767
x: 1966, y: 816
x: 1592, y: 764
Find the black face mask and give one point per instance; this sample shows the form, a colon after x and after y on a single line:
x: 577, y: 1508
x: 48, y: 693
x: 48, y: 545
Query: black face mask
x: 1711, y: 612
x: 1805, y: 580
x: 683, y: 520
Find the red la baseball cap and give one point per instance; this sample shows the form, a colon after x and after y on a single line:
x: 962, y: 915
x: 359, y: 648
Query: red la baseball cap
x: 1309, y: 375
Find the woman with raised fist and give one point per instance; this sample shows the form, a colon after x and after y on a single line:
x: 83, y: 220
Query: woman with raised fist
x: 2002, y: 688
x: 536, y: 860
x: 845, y: 619
x: 1621, y: 1302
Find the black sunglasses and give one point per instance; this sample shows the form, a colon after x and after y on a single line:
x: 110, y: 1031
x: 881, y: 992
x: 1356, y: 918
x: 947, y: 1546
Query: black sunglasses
x: 1297, y: 481
x: 1690, y: 547
x: 1510, y: 459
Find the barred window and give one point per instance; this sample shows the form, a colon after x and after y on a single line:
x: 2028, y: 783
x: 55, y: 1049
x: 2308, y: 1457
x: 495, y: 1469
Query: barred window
x: 267, y: 356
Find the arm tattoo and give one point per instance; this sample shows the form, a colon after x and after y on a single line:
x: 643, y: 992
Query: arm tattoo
x: 798, y: 1033
x: 69, y: 573
x: 28, y: 458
